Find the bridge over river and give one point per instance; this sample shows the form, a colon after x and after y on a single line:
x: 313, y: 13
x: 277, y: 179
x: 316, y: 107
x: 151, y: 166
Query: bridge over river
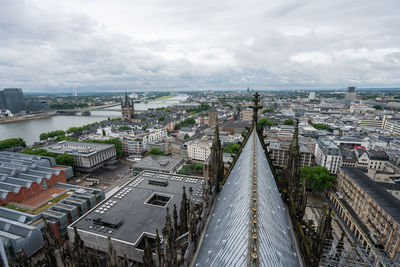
x: 82, y: 110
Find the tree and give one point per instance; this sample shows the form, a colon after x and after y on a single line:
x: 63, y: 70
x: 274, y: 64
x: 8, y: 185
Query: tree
x: 321, y: 126
x: 232, y: 149
x: 39, y: 152
x: 188, y: 121
x: 113, y: 141
x: 162, y: 118
x: 12, y: 143
x: 168, y: 132
x: 65, y: 159
x: 288, y: 122
x: 203, y: 107
x: 186, y: 136
x: 265, y: 122
x: 156, y: 151
x: 318, y: 178
x: 45, y: 136
x: 189, y: 168
x: 103, y: 132
x: 378, y: 107
x: 268, y: 110
x: 76, y: 129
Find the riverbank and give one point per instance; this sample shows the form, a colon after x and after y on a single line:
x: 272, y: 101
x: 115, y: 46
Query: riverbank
x: 26, y: 118
x: 30, y: 130
x: 164, y: 97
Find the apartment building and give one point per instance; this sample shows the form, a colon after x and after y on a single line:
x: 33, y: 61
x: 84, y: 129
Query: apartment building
x: 137, y: 145
x: 393, y: 127
x: 279, y: 154
x: 328, y: 154
x: 373, y: 122
x: 370, y: 209
x: 199, y: 150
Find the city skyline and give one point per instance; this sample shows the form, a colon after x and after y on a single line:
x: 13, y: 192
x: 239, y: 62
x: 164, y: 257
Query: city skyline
x: 155, y: 45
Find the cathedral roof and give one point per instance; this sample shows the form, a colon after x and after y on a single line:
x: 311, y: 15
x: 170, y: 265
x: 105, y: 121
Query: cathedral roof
x: 228, y: 237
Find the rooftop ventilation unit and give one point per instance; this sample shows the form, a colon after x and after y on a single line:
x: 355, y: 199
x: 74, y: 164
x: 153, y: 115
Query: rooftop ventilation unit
x: 164, y: 163
x: 158, y: 182
x: 111, y: 223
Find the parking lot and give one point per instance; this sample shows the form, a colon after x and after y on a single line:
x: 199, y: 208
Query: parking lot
x: 105, y: 177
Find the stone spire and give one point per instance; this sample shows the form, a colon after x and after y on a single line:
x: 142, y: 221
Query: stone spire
x: 292, y: 171
x: 192, y: 220
x: 158, y: 247
x: 216, y: 164
x: 255, y: 108
x: 175, y: 216
x: 169, y: 241
x: 183, y: 214
x: 147, y: 255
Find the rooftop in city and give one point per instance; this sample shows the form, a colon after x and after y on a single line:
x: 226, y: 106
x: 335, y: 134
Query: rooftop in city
x: 140, y: 206
x: 158, y: 163
x: 76, y: 148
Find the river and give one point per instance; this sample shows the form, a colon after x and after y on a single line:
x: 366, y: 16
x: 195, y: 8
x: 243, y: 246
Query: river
x: 31, y: 129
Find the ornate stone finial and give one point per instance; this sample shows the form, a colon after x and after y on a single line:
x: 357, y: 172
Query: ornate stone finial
x: 191, y: 191
x: 256, y: 107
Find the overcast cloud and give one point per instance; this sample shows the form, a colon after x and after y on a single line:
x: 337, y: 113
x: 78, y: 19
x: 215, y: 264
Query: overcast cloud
x: 48, y: 45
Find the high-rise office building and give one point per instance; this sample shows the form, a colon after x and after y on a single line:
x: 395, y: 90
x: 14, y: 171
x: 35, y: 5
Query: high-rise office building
x: 351, y: 93
x: 12, y: 99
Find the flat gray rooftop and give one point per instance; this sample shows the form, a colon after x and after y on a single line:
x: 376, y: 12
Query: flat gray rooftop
x: 125, y: 215
x: 158, y: 163
x: 77, y: 148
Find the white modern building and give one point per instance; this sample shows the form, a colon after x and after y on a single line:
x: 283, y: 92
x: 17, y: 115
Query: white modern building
x: 393, y: 127
x: 327, y: 154
x: 87, y: 156
x: 199, y: 150
x: 137, y: 145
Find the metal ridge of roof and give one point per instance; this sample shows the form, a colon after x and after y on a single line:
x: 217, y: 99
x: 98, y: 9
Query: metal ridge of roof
x: 226, y: 240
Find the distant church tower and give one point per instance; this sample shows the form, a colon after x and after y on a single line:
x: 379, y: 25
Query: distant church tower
x: 127, y: 109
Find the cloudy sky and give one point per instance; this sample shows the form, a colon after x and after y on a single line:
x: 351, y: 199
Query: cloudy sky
x: 48, y: 45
